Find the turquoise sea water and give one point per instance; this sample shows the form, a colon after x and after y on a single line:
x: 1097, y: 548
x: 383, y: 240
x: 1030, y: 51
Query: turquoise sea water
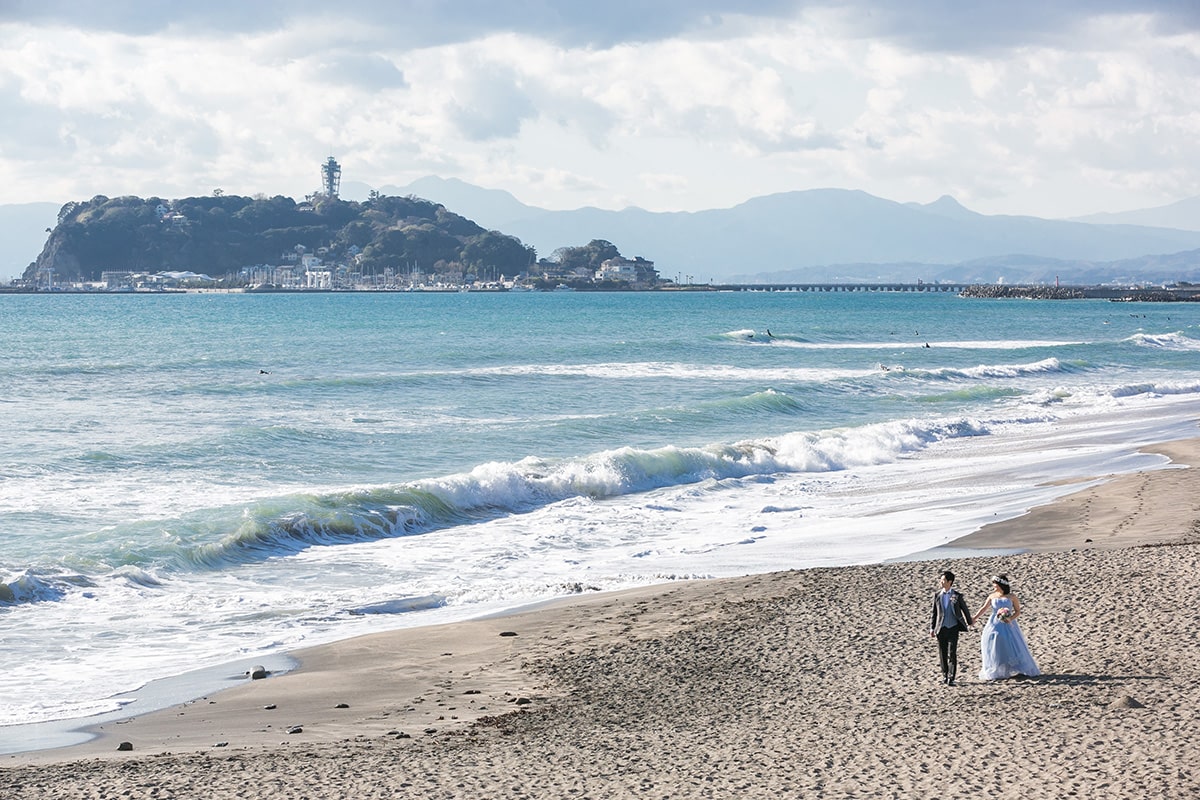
x: 187, y: 480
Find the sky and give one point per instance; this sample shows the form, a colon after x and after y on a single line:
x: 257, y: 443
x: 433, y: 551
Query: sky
x: 1055, y: 108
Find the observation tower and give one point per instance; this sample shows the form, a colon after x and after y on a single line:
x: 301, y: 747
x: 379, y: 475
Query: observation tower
x: 331, y: 177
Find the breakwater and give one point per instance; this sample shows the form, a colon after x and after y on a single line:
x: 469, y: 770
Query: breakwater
x: 1115, y: 293
x: 881, y: 286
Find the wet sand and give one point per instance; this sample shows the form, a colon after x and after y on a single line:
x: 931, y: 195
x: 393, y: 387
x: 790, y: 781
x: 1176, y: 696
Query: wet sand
x: 812, y: 683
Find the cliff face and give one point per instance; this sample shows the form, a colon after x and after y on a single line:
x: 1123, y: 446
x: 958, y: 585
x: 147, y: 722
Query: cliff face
x: 221, y: 234
x: 56, y: 256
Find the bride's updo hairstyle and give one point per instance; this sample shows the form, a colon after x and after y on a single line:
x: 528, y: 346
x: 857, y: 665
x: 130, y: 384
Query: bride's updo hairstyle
x: 1002, y: 582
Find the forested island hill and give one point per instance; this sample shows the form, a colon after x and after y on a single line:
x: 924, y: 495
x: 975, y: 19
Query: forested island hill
x: 323, y: 242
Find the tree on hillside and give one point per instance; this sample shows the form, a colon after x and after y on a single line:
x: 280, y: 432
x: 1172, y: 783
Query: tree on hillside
x: 425, y: 245
x: 336, y: 213
x: 493, y: 254
x: 357, y: 233
x: 273, y: 212
x: 589, y: 256
x: 456, y: 225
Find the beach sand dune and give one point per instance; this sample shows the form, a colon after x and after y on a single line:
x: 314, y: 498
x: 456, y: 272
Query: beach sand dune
x: 813, y: 683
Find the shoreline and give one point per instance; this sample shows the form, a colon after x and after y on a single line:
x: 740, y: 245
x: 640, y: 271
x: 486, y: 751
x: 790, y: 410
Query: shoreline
x: 1041, y: 529
x: 443, y: 686
x: 1177, y: 294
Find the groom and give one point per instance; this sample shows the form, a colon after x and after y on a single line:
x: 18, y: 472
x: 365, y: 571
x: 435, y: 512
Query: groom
x: 950, y: 618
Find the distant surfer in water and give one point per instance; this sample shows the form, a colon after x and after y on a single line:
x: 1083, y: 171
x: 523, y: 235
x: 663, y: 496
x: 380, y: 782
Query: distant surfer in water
x: 769, y: 334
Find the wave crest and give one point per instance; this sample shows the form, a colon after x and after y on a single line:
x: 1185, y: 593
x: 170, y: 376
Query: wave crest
x: 1135, y: 389
x: 495, y: 489
x: 1165, y: 341
x: 1047, y: 366
x: 39, y: 586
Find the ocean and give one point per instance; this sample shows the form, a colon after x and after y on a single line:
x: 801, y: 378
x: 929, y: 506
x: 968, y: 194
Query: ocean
x: 206, y: 481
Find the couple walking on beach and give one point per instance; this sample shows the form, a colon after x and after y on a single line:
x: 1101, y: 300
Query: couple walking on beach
x: 1003, y: 652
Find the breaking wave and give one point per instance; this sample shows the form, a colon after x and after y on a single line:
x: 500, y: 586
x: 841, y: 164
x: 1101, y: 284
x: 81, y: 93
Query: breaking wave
x: 39, y: 586
x: 1047, y: 366
x: 1165, y: 341
x: 288, y: 525
x: 1135, y: 389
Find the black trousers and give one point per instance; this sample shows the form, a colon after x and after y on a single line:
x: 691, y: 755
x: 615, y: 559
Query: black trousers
x: 948, y: 650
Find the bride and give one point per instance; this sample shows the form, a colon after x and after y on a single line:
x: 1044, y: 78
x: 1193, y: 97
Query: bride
x: 1003, y: 652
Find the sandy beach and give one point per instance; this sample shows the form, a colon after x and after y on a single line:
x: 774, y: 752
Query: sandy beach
x: 813, y: 683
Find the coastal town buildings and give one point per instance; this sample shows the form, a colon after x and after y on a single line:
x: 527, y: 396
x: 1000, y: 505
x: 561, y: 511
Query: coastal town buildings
x: 625, y: 270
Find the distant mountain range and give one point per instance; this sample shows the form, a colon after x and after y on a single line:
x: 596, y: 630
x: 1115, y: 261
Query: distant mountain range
x: 813, y: 235
x: 843, y: 235
x: 1184, y: 215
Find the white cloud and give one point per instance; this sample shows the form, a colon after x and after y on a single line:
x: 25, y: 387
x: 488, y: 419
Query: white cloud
x: 1052, y: 110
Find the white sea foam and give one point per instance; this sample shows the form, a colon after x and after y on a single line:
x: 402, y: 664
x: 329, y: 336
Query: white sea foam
x: 903, y: 344
x: 1166, y: 341
x: 667, y: 370
x: 1046, y: 366
x: 633, y: 371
